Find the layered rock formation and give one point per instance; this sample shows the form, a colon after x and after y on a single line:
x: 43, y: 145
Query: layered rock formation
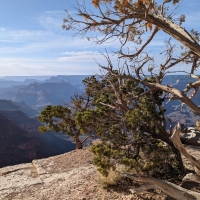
x: 16, y: 146
x: 8, y: 105
x: 21, y: 119
x: 19, y: 145
x: 38, y: 95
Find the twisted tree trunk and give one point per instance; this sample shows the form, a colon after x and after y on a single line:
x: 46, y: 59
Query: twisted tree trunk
x: 168, y: 188
x: 77, y: 141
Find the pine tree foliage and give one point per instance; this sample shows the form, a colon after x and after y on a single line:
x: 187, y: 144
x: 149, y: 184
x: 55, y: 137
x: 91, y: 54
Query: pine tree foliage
x: 62, y: 119
x: 130, y: 129
x: 59, y: 118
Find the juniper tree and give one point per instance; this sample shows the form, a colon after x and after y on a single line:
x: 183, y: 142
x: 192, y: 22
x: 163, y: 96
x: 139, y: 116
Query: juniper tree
x: 130, y: 126
x: 127, y: 111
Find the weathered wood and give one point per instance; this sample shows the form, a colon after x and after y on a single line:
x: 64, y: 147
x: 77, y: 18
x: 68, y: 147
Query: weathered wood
x: 168, y: 188
x: 176, y: 31
x: 178, y: 144
x: 192, y: 177
x: 143, y: 188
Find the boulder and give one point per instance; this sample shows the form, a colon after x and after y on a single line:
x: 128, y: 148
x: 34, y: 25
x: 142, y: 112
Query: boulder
x: 191, y: 137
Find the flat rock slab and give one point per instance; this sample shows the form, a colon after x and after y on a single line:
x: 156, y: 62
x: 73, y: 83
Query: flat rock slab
x: 70, y: 176
x: 52, y: 178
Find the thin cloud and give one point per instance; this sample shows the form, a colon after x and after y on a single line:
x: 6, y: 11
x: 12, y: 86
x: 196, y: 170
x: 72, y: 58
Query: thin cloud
x: 17, y: 67
x: 9, y: 35
x: 84, y: 56
x: 52, y: 20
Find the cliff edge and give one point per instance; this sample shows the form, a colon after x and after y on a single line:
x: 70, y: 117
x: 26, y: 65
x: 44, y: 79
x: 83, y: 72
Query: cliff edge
x: 58, y: 177
x: 70, y: 176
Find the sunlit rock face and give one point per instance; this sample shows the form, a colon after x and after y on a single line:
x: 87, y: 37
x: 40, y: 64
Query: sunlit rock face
x: 38, y: 96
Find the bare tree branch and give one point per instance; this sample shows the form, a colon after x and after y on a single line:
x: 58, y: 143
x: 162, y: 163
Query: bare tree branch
x: 178, y: 144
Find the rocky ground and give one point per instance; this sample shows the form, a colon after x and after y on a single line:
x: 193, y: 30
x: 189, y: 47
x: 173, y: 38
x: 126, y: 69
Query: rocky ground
x: 70, y: 176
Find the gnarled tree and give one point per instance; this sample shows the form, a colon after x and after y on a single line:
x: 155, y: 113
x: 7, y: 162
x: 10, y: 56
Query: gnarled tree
x: 130, y: 125
x: 127, y: 104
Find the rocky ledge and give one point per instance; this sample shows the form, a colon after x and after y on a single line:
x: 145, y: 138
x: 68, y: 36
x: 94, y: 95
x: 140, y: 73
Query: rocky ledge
x: 70, y: 176
x: 66, y: 176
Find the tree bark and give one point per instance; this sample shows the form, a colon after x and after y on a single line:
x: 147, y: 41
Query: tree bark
x: 191, y: 178
x: 77, y: 141
x: 169, y: 189
x: 176, y: 31
x: 179, y: 94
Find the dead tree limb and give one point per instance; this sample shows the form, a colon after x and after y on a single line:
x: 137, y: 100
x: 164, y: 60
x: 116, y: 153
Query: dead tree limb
x: 168, y: 188
x: 178, y: 144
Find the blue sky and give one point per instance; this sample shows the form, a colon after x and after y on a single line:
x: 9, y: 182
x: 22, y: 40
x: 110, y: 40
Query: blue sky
x: 32, y: 41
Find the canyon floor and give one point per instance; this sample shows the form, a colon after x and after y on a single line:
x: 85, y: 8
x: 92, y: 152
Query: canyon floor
x: 70, y: 176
